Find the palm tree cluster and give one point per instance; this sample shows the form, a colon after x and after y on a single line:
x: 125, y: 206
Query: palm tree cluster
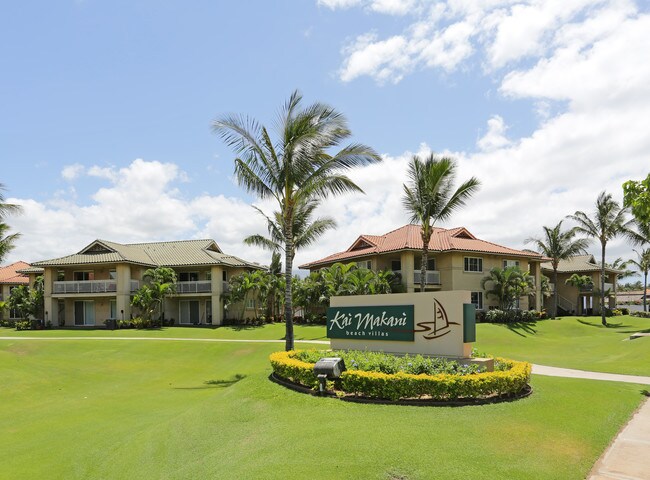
x: 608, y: 221
x: 295, y: 169
x: 508, y: 285
x: 261, y: 289
x: 150, y: 297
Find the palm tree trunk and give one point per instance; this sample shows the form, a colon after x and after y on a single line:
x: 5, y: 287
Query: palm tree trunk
x: 603, y: 319
x: 645, y: 290
x: 423, y: 267
x: 555, y: 294
x: 288, y: 300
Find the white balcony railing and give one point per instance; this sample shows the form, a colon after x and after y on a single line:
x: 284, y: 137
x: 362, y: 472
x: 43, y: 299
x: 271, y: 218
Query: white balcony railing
x: 90, y: 286
x: 200, y: 286
x: 432, y: 277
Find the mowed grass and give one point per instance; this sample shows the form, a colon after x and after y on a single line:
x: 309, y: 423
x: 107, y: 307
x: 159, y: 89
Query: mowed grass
x: 573, y: 342
x: 80, y: 409
x: 271, y: 331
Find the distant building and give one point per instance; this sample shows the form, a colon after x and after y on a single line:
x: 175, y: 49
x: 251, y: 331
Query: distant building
x: 95, y: 284
x: 585, y: 300
x: 457, y: 260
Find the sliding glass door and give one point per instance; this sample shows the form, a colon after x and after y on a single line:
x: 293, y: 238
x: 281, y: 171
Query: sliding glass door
x: 84, y: 313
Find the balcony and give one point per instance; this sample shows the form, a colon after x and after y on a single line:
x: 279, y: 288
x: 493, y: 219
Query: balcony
x: 200, y: 286
x: 432, y: 277
x: 90, y: 286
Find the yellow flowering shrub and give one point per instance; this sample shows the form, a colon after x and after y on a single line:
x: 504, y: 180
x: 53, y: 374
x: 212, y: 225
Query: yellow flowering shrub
x: 512, y: 379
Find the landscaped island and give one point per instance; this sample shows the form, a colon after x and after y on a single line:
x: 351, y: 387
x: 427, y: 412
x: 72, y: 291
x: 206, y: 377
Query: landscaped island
x: 387, y: 377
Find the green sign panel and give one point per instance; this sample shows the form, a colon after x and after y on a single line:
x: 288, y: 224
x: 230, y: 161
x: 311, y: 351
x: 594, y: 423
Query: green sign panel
x: 390, y: 322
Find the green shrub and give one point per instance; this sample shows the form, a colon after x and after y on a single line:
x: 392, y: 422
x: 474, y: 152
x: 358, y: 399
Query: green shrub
x: 23, y: 325
x: 387, y: 363
x: 625, y: 311
x: 513, y: 316
x: 640, y: 314
x: 509, y: 377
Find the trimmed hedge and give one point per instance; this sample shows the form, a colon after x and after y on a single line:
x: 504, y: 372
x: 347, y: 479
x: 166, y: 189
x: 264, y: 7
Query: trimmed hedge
x: 510, y: 380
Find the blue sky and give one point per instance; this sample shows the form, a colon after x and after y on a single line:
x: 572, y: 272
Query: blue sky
x: 107, y: 106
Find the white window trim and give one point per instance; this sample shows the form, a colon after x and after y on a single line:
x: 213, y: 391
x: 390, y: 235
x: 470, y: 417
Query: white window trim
x: 467, y: 264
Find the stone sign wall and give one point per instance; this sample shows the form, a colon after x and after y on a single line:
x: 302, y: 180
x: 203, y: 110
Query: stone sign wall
x: 430, y: 323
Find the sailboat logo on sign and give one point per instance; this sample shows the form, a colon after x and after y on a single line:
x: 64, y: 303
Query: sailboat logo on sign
x: 439, y: 326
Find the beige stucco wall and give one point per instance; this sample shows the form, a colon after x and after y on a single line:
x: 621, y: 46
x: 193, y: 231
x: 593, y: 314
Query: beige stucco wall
x: 449, y: 345
x: 572, y: 294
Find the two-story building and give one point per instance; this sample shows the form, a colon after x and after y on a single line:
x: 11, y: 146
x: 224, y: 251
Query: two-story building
x: 97, y: 283
x: 580, y: 300
x: 457, y: 260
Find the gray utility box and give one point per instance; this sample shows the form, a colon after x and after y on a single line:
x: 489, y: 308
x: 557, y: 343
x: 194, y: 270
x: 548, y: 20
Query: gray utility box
x: 331, y: 367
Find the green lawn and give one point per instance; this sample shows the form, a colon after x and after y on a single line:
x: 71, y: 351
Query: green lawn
x: 263, y: 332
x: 573, y: 342
x: 185, y: 410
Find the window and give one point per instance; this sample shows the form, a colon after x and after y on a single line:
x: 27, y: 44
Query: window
x: 473, y: 264
x: 250, y: 303
x: 83, y: 276
x: 112, y: 274
x: 395, y: 265
x: 60, y: 276
x: 431, y: 264
x: 188, y: 277
x: 510, y: 263
x: 477, y: 300
x: 208, y: 275
x: 113, y: 309
x: 365, y: 264
x: 224, y: 276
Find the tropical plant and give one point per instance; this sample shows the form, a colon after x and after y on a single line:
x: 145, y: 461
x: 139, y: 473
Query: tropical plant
x: 607, y: 222
x: 636, y: 196
x: 430, y: 197
x: 622, y: 265
x: 27, y: 301
x: 305, y: 231
x: 507, y: 285
x: 642, y: 262
x: 7, y: 240
x: 294, y: 169
x: 558, y: 245
x: 150, y: 297
x: 580, y: 282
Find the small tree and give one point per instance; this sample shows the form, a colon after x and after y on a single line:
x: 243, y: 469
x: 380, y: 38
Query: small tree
x: 150, y: 297
x: 636, y: 196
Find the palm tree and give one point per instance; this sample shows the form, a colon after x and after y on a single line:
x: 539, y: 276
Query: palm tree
x: 430, y: 197
x: 305, y: 232
x: 642, y: 262
x: 508, y: 285
x: 580, y: 282
x: 162, y: 282
x: 558, y: 245
x: 608, y: 221
x: 294, y: 169
x: 7, y: 241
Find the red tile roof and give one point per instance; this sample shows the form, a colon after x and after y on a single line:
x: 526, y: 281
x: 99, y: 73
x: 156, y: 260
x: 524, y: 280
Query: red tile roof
x: 8, y: 274
x: 408, y: 238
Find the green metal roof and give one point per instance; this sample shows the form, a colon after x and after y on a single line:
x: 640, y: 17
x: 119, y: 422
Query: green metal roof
x: 169, y: 254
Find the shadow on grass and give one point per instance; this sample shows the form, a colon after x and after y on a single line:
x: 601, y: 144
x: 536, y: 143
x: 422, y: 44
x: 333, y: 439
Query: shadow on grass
x: 522, y: 328
x: 598, y: 324
x: 221, y: 383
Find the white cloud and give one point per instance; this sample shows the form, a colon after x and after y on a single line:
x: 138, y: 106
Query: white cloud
x: 495, y: 137
x: 71, y: 172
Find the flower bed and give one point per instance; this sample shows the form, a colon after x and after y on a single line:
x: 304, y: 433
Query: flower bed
x: 510, y: 379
